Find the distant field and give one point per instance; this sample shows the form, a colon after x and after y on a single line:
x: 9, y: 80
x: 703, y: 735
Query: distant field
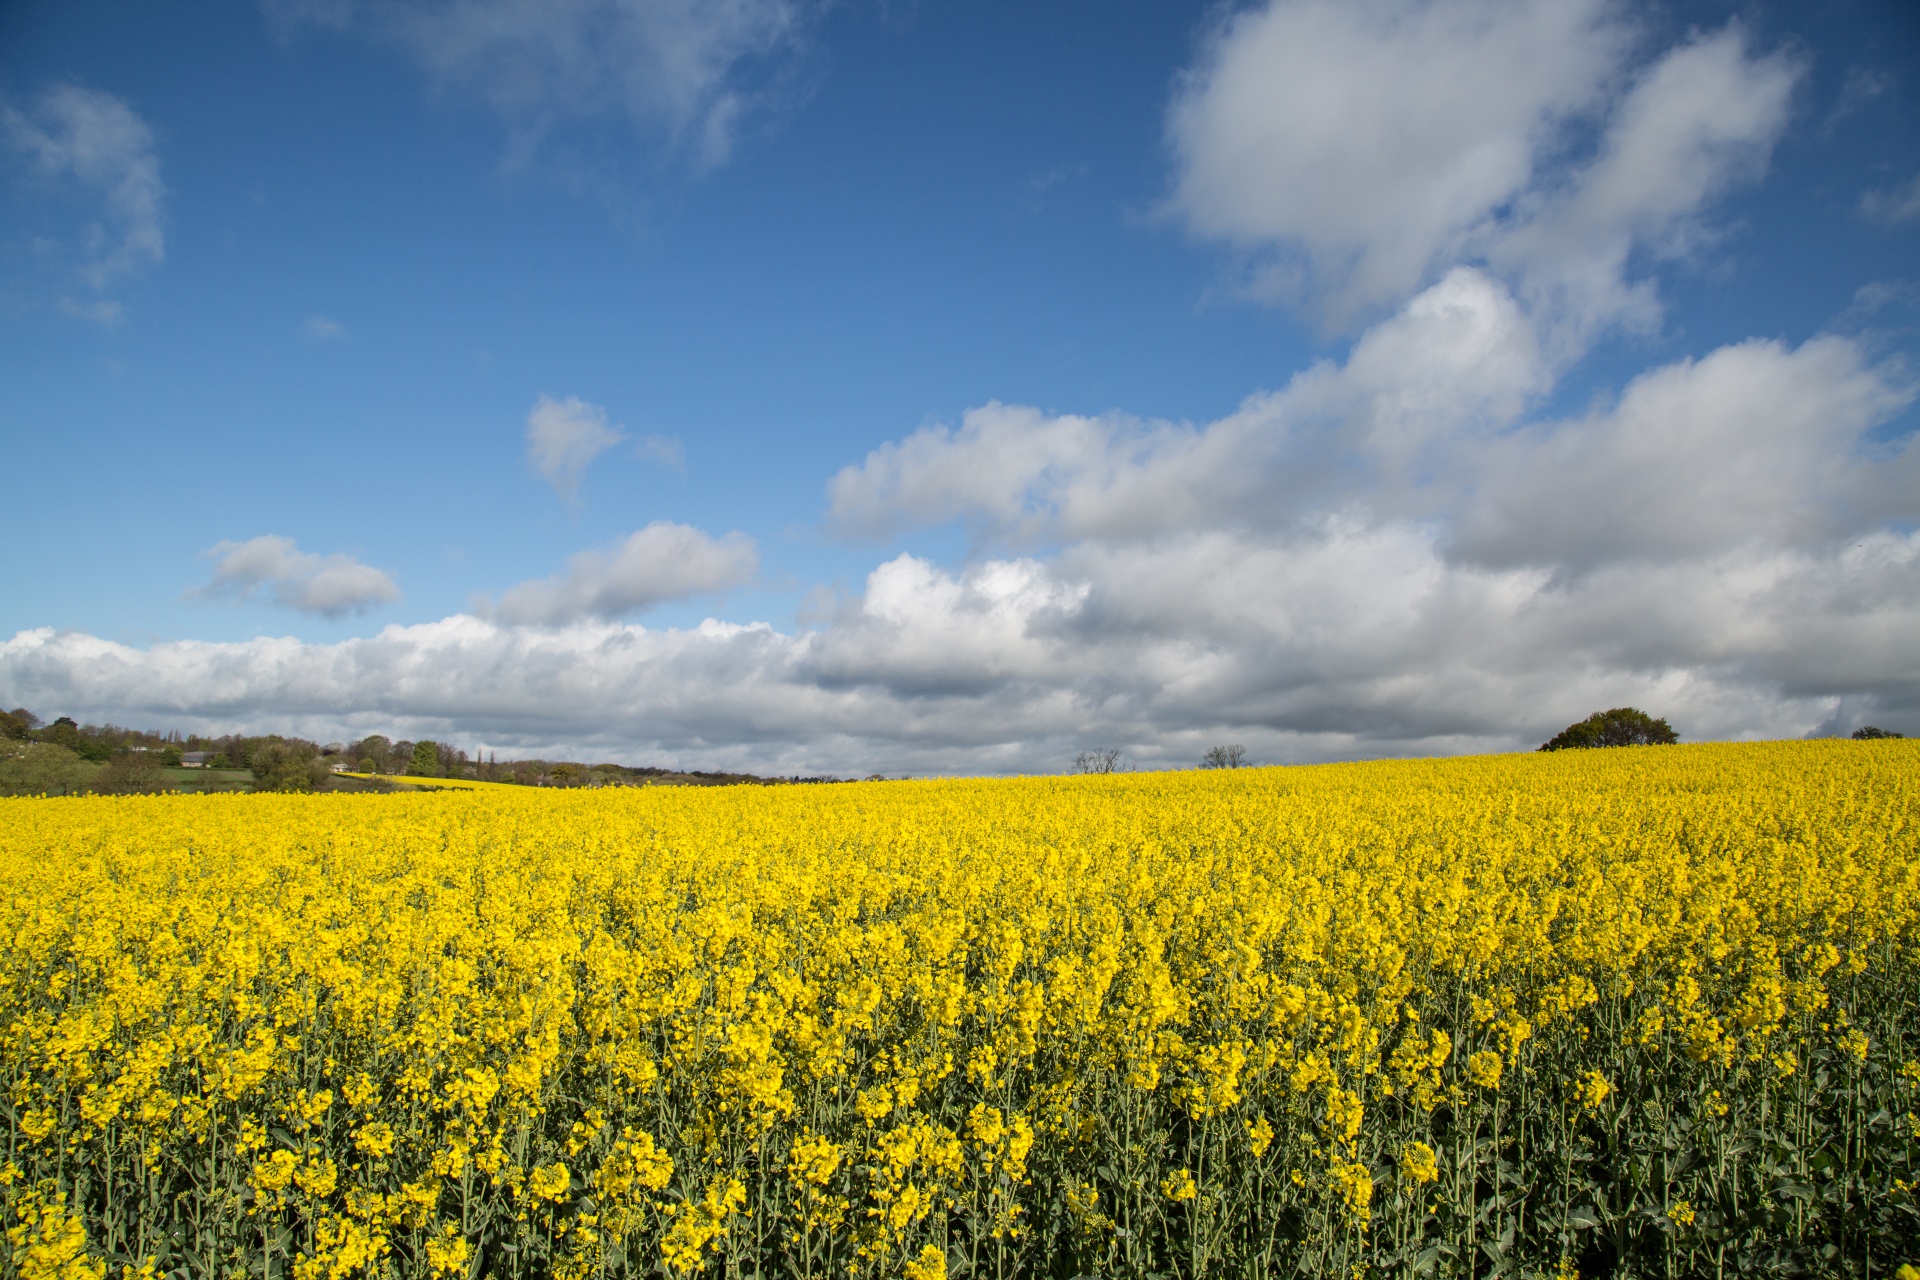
x: 433, y: 784
x: 1632, y: 1012
x: 209, y: 779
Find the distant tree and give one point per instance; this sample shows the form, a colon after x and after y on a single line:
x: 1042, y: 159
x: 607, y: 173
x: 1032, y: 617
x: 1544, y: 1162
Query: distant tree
x: 1620, y: 727
x: 426, y: 760
x: 1232, y: 757
x: 171, y: 755
x: 12, y: 726
x: 42, y: 769
x: 131, y: 773
x: 64, y: 732
x: 1875, y: 731
x: 287, y: 766
x: 1102, y: 760
x: 373, y: 751
x: 25, y: 717
x: 564, y: 775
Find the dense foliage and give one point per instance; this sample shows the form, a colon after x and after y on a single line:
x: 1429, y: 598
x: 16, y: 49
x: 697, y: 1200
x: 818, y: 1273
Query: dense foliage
x: 1620, y: 727
x: 1632, y: 1013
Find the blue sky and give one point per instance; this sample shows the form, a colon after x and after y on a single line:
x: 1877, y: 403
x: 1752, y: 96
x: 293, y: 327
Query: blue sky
x: 930, y: 387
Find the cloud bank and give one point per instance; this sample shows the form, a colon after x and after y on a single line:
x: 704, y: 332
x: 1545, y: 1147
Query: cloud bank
x: 274, y: 568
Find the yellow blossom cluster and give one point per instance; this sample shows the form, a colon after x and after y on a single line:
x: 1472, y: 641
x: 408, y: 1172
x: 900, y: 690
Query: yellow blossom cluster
x: 1644, y: 1010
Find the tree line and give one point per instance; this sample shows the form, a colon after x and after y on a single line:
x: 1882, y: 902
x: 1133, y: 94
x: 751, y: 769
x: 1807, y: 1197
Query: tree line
x: 67, y: 758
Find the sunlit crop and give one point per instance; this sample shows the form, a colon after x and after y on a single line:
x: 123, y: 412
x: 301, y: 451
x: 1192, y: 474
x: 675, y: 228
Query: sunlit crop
x: 1644, y: 1011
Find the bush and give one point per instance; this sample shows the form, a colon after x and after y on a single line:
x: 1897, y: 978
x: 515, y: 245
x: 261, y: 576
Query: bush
x: 131, y: 773
x: 1620, y: 727
x: 1875, y: 731
x: 287, y: 766
x: 42, y: 769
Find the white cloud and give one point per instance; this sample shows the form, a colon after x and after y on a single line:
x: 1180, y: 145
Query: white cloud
x: 1755, y: 445
x: 563, y: 436
x: 1377, y: 137
x: 99, y: 142
x: 693, y: 70
x: 664, y: 561
x: 320, y: 329
x: 1896, y: 206
x: 1700, y: 119
x: 1459, y: 362
x: 665, y: 450
x: 1355, y: 149
x: 271, y: 566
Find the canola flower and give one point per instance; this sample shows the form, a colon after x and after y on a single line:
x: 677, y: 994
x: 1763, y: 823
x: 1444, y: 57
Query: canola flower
x: 1630, y: 1012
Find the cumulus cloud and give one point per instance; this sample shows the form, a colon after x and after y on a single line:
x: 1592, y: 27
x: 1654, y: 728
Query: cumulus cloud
x: 98, y: 142
x: 1356, y: 150
x: 1756, y: 443
x: 274, y: 568
x: 664, y: 561
x: 691, y: 70
x: 563, y: 436
x: 1399, y: 548
x: 1459, y: 363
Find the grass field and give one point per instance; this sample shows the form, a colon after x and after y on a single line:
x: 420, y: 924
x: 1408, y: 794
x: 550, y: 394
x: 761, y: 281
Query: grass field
x: 208, y: 779
x: 1640, y: 1012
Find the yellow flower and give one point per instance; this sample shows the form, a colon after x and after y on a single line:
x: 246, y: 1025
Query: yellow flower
x: 813, y: 1160
x: 1179, y: 1186
x: 448, y: 1251
x: 1483, y: 1069
x: 375, y: 1139
x: 1354, y: 1182
x: 930, y: 1265
x: 49, y: 1243
x: 1419, y: 1162
x: 550, y: 1182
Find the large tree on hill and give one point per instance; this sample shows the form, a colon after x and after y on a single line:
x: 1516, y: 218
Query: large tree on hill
x: 1620, y: 727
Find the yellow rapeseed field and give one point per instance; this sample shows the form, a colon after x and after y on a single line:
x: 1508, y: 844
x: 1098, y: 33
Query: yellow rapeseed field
x: 1633, y: 1012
